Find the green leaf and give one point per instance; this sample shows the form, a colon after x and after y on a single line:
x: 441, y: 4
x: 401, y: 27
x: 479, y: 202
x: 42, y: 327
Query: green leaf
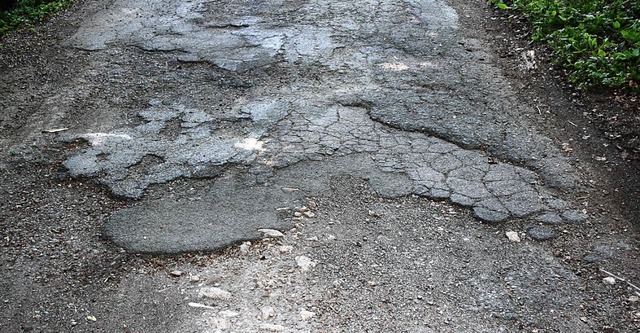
x: 616, y: 25
x: 601, y: 53
x: 631, y: 35
x: 503, y: 6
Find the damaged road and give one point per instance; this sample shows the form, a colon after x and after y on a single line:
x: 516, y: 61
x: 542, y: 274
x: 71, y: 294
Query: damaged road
x: 383, y: 138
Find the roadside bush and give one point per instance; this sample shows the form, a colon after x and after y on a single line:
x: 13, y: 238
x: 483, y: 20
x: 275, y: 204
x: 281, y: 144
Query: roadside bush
x: 27, y: 12
x: 596, y: 41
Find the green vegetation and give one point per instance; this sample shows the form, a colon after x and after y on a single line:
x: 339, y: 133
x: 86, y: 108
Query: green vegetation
x: 596, y: 41
x: 29, y: 12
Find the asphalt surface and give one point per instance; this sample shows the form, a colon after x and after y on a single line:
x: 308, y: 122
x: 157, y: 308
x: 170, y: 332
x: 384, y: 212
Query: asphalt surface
x: 392, y: 81
x: 301, y: 166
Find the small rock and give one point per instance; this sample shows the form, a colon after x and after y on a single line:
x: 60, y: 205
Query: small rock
x: 303, y: 209
x: 372, y: 283
x: 609, y: 280
x: 272, y: 328
x: 297, y: 214
x: 194, y: 278
x: 176, y: 273
x: 290, y: 189
x: 267, y: 312
x: 541, y: 233
x: 313, y: 239
x: 244, y: 248
x: 309, y: 214
x: 634, y: 299
x: 305, y: 263
x: 513, y: 236
x: 91, y: 318
x: 199, y: 305
x: 306, y: 315
x: 331, y: 237
x: 214, y: 293
x: 285, y: 249
x: 584, y: 319
x: 271, y: 233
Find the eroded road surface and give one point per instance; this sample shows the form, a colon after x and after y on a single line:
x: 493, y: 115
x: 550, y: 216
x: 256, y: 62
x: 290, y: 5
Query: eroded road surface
x: 382, y: 137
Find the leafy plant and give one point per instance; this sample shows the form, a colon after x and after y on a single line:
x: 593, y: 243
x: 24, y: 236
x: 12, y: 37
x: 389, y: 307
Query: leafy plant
x: 29, y: 12
x: 596, y: 41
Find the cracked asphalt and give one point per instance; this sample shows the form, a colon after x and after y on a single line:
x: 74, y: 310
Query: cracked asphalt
x: 386, y: 139
x: 398, y: 84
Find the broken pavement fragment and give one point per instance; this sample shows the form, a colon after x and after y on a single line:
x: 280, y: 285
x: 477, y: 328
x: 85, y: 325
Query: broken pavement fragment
x: 129, y: 160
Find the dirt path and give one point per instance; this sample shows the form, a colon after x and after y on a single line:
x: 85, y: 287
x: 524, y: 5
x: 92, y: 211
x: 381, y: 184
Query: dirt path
x: 151, y: 151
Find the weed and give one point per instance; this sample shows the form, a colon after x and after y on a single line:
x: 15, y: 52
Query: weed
x: 28, y: 12
x: 596, y: 41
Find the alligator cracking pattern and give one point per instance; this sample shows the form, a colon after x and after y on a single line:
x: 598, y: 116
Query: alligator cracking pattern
x: 398, y: 83
x: 275, y: 133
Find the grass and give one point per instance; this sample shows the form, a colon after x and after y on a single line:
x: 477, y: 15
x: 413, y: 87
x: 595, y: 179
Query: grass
x: 29, y: 12
x: 596, y: 41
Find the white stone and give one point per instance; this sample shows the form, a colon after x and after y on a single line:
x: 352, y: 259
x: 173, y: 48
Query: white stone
x: 609, y: 280
x: 244, y: 248
x: 305, y: 263
x: 271, y: 233
x: 306, y: 315
x: 214, y: 293
x: 176, y: 273
x: 267, y: 312
x: 286, y: 249
x: 513, y: 236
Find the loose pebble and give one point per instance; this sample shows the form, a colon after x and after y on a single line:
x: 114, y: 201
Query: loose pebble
x: 513, y: 236
x: 285, y: 249
x: 244, y: 248
x: 176, y: 273
x: 309, y: 214
x: 91, y: 318
x: 609, y: 280
x: 634, y: 299
x: 214, y: 293
x: 305, y: 263
x: 267, y: 312
x: 198, y: 305
x: 271, y: 233
x: 306, y: 315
